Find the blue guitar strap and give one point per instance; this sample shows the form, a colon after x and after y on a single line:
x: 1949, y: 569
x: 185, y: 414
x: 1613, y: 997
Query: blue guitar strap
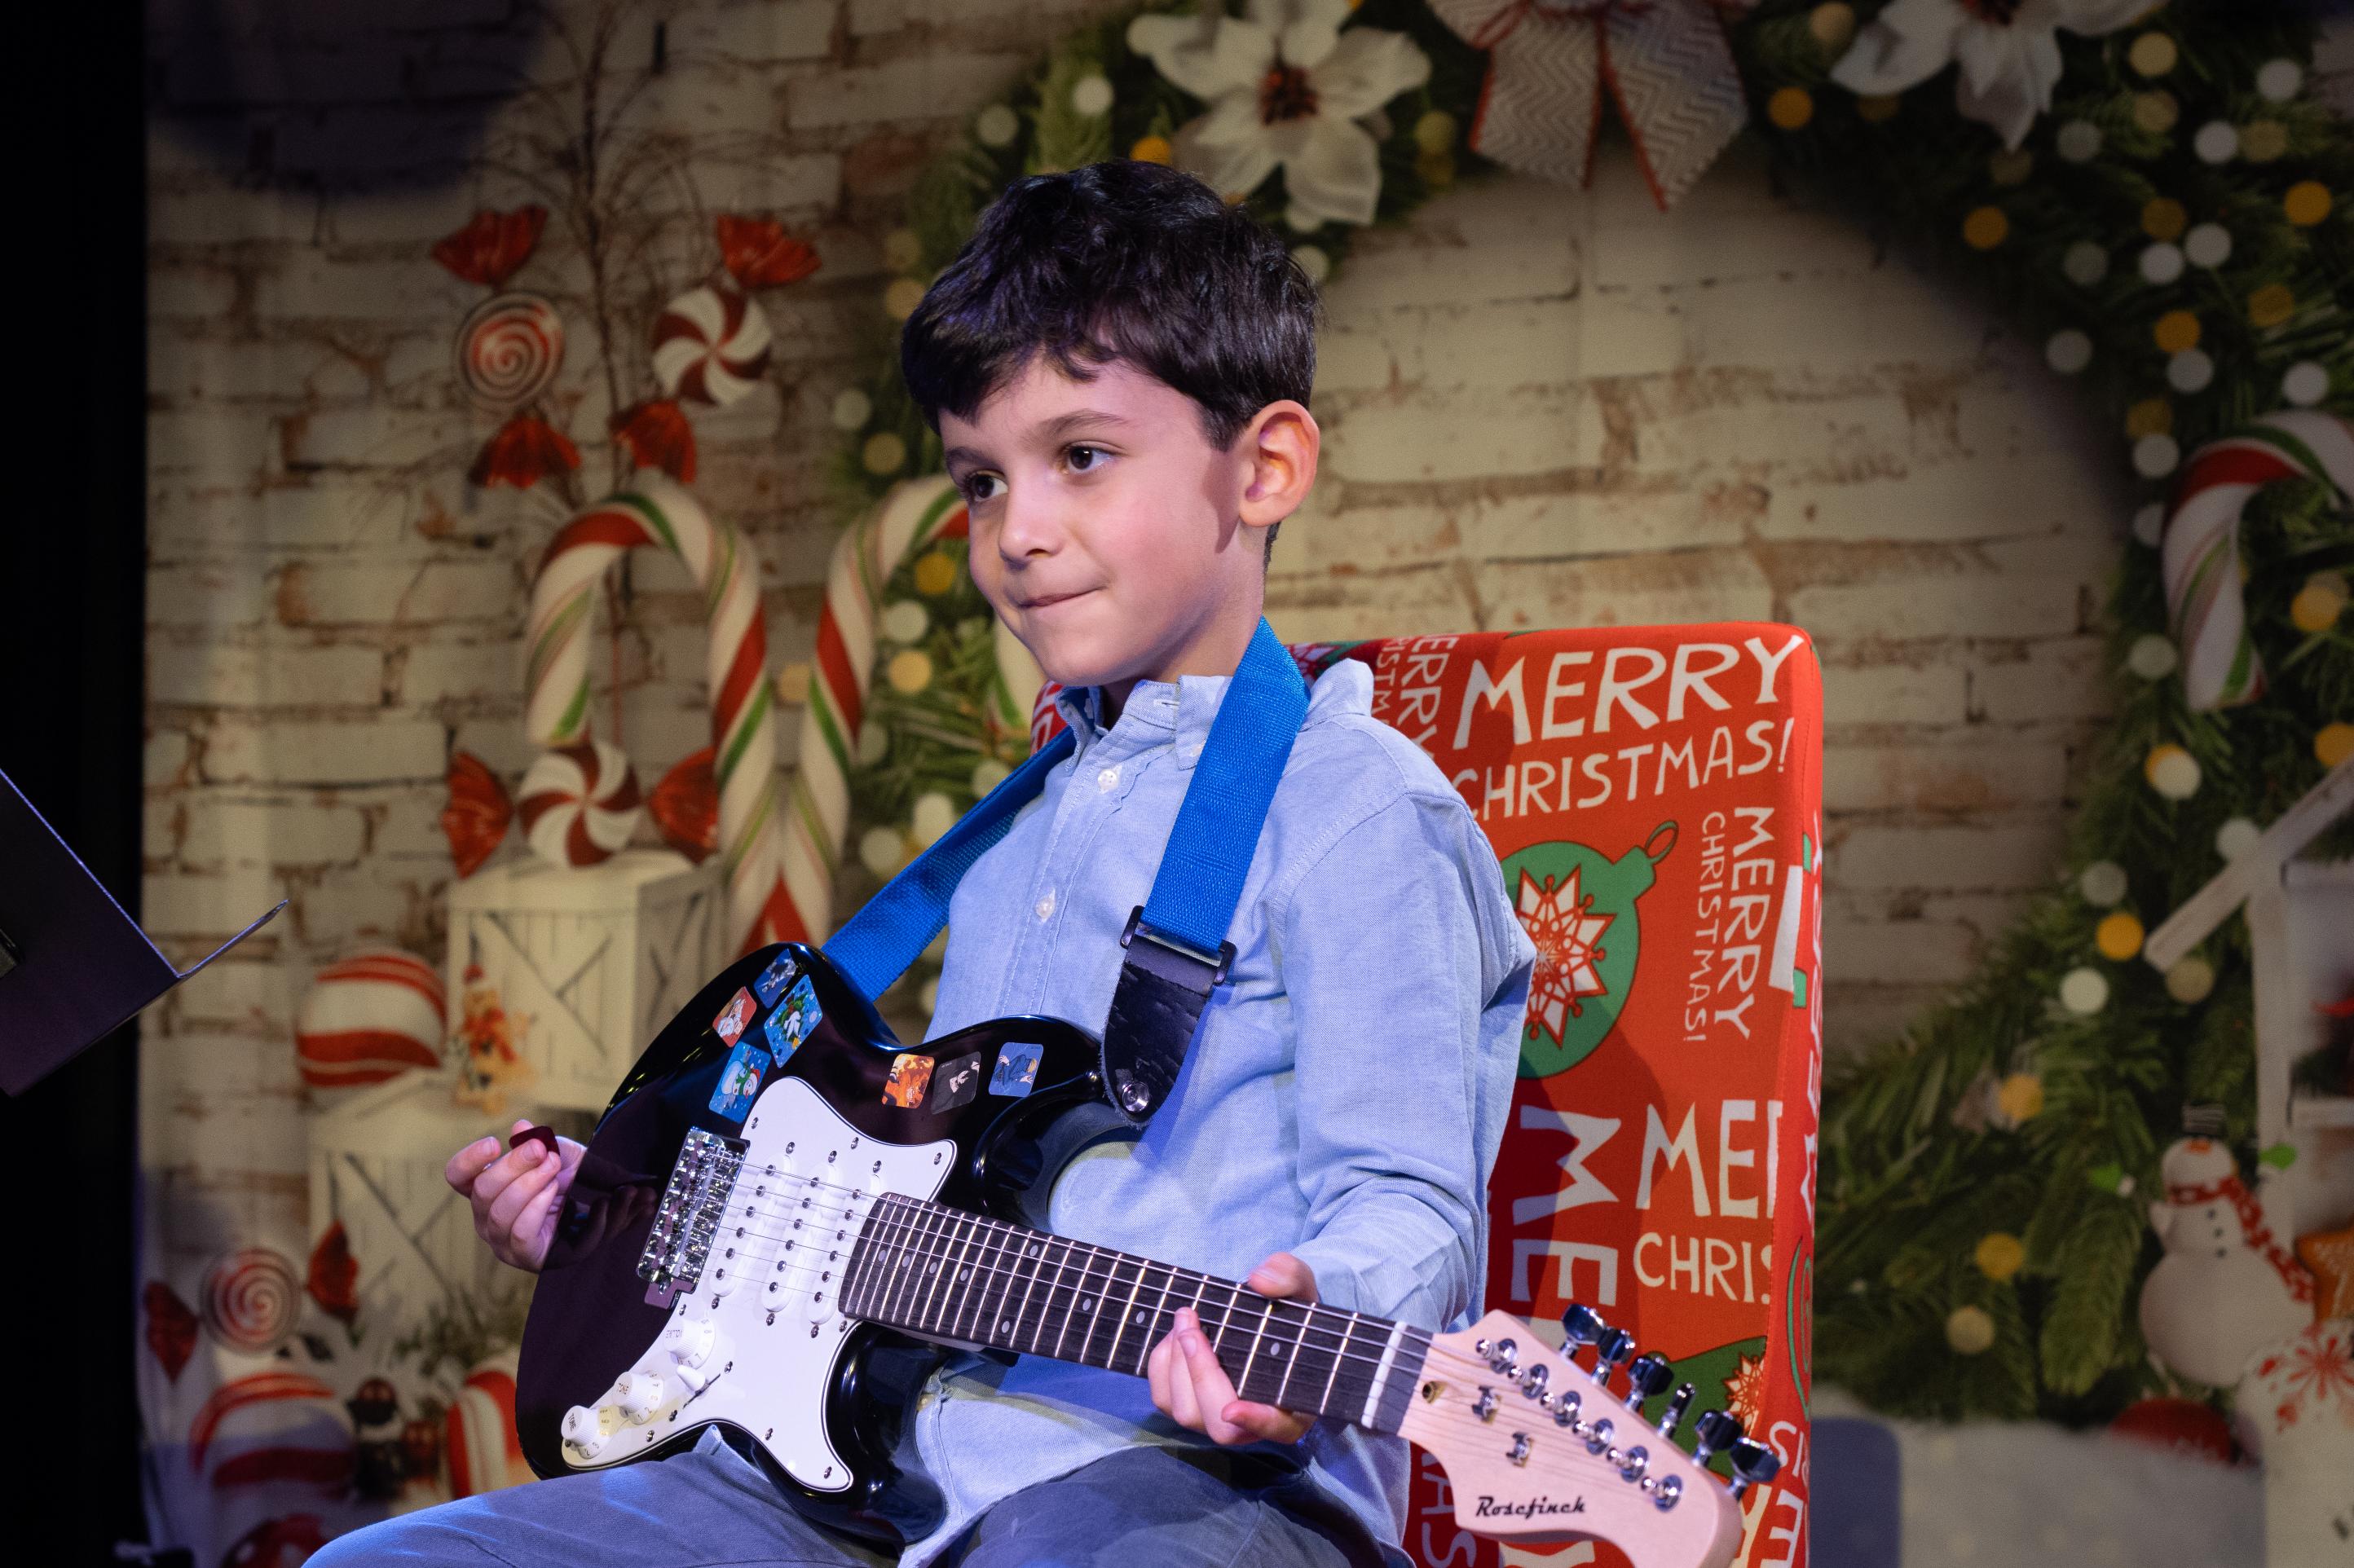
x: 1177, y: 950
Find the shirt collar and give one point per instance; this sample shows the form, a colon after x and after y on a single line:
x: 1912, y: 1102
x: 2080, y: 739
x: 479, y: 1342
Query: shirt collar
x: 1160, y: 712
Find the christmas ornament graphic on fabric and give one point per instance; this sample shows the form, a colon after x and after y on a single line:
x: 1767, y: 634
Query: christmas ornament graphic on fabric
x: 1578, y: 908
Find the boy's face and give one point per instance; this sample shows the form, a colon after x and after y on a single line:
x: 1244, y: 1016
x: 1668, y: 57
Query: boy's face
x: 1109, y: 534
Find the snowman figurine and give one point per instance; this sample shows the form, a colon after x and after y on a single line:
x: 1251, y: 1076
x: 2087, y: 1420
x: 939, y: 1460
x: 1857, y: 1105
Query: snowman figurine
x: 2225, y: 1288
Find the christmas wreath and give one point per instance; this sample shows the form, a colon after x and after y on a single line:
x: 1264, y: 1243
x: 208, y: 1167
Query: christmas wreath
x: 2154, y: 194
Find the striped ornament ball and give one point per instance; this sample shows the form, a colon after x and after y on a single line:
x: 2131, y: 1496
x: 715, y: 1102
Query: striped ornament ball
x: 371, y: 1015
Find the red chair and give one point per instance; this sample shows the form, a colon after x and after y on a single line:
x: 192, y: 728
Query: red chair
x: 1655, y: 795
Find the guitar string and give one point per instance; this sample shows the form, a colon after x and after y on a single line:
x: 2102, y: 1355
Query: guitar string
x: 993, y: 1234
x: 1239, y: 1312
x: 997, y: 1232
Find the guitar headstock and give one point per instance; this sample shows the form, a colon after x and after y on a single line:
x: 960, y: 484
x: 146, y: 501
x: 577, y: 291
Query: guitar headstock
x: 1537, y: 1448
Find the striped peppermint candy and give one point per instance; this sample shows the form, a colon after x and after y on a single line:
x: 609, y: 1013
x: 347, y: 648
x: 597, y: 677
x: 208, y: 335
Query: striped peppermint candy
x: 2200, y: 552
x: 659, y: 514
x: 371, y: 1015
x: 579, y: 803
x: 711, y: 344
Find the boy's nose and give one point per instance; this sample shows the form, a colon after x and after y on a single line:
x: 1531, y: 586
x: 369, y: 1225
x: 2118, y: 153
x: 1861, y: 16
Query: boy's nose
x: 1030, y: 528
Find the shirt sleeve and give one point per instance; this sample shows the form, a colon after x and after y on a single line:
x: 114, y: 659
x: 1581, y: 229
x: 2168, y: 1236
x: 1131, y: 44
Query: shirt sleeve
x: 1407, y: 975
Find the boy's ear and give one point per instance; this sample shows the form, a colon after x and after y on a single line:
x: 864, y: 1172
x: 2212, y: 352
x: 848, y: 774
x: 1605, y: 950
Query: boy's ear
x: 1279, y: 447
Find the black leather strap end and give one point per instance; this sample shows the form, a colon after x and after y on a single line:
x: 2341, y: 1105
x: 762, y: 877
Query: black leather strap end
x: 1164, y: 987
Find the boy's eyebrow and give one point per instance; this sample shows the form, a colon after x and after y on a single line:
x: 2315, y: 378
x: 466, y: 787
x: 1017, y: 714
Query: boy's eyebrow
x: 1053, y: 430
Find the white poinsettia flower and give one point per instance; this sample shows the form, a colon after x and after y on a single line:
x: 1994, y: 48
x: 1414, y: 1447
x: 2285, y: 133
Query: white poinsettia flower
x: 2009, y: 56
x: 1285, y: 86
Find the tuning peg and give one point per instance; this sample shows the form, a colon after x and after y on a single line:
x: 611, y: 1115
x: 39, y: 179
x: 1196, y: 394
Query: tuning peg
x: 1717, y: 1431
x: 1581, y: 1325
x: 1674, y: 1416
x: 1647, y: 1378
x: 1610, y: 1353
x: 1754, y: 1464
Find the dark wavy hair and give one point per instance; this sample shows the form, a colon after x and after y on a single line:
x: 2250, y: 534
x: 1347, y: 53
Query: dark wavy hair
x: 1118, y: 261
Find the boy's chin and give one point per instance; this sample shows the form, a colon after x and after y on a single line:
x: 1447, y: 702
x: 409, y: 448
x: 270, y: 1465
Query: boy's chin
x: 1080, y: 662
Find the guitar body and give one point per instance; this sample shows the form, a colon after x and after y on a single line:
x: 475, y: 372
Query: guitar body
x: 817, y: 1397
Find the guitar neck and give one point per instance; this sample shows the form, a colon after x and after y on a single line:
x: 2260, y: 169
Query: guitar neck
x: 964, y: 1278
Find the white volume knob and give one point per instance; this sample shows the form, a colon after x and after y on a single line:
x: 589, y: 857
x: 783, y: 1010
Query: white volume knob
x: 689, y: 1341
x: 584, y: 1430
x: 642, y: 1392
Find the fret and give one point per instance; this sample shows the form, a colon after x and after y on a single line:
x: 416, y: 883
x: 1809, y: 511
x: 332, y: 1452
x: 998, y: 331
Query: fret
x: 1340, y: 1354
x: 973, y: 1280
x: 862, y: 1258
x: 953, y: 1274
x: 1259, y: 1332
x: 1128, y: 1311
x: 908, y: 1271
x: 937, y: 1266
x: 1078, y: 1286
x: 1007, y: 1262
x: 1103, y: 1306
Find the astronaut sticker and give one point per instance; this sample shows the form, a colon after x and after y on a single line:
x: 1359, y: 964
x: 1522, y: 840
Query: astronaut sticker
x: 775, y: 978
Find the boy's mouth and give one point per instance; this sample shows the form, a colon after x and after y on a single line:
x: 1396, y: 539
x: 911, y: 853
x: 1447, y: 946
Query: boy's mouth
x: 1046, y: 600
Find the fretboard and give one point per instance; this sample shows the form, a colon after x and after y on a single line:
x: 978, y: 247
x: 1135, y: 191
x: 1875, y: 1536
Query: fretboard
x: 946, y: 1274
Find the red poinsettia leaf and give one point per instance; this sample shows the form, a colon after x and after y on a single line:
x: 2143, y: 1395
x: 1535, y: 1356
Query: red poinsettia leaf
x: 171, y: 1328
x: 476, y: 817
x: 526, y: 449
x: 759, y: 254
x: 658, y: 436
x: 335, y: 1275
x: 489, y: 248
x: 685, y: 806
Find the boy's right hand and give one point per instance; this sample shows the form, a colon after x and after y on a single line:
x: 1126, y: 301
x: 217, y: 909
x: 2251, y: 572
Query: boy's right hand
x: 515, y: 1195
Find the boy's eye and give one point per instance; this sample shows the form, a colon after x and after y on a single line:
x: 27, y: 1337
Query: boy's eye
x: 1083, y: 459
x: 975, y: 494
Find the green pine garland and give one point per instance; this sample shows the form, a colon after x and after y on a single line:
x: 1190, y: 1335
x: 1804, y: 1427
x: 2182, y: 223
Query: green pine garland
x: 1916, y: 1175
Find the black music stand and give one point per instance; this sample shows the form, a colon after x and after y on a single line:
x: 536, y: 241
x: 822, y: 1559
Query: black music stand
x: 73, y: 966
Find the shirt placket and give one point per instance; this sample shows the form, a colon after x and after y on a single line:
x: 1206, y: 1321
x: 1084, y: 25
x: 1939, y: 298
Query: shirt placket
x: 1088, y: 802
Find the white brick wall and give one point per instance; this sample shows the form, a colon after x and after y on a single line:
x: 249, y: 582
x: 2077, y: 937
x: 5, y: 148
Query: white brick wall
x: 1542, y: 407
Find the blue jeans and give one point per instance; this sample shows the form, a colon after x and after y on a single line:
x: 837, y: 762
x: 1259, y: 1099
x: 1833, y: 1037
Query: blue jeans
x: 1143, y: 1508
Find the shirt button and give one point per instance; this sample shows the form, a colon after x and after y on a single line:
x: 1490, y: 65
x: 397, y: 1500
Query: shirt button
x: 1108, y: 778
x: 1047, y: 907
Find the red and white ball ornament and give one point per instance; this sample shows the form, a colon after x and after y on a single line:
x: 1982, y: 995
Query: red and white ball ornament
x: 711, y: 344
x: 509, y: 350
x: 581, y: 804
x: 371, y: 1015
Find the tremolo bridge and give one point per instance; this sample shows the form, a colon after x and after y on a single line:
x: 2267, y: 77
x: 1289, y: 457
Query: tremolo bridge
x: 680, y: 1242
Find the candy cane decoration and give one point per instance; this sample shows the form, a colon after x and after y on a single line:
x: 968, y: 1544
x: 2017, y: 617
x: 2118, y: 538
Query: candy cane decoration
x: 2201, y: 551
x: 658, y: 515
x: 915, y: 514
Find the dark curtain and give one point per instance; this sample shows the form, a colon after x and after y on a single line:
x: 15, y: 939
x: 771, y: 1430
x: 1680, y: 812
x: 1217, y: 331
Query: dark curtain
x: 72, y: 579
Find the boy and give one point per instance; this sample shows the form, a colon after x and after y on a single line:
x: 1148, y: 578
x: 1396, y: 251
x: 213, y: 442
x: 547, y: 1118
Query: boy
x: 1118, y: 365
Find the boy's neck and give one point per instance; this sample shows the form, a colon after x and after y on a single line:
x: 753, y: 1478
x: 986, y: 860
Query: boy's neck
x: 1218, y: 654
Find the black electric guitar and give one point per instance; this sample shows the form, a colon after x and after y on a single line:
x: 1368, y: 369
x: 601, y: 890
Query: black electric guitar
x: 784, y: 1216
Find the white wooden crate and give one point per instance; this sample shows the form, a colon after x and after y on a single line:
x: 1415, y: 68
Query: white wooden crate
x: 376, y: 1160
x: 594, y: 961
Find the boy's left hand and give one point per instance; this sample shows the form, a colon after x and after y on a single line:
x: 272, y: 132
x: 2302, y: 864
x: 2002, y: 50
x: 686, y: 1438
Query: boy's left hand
x: 1192, y: 1388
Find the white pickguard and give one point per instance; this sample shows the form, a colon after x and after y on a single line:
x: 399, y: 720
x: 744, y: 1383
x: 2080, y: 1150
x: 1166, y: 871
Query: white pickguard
x: 767, y: 1295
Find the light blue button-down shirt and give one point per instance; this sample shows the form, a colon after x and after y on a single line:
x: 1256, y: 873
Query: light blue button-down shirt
x: 1343, y: 1100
